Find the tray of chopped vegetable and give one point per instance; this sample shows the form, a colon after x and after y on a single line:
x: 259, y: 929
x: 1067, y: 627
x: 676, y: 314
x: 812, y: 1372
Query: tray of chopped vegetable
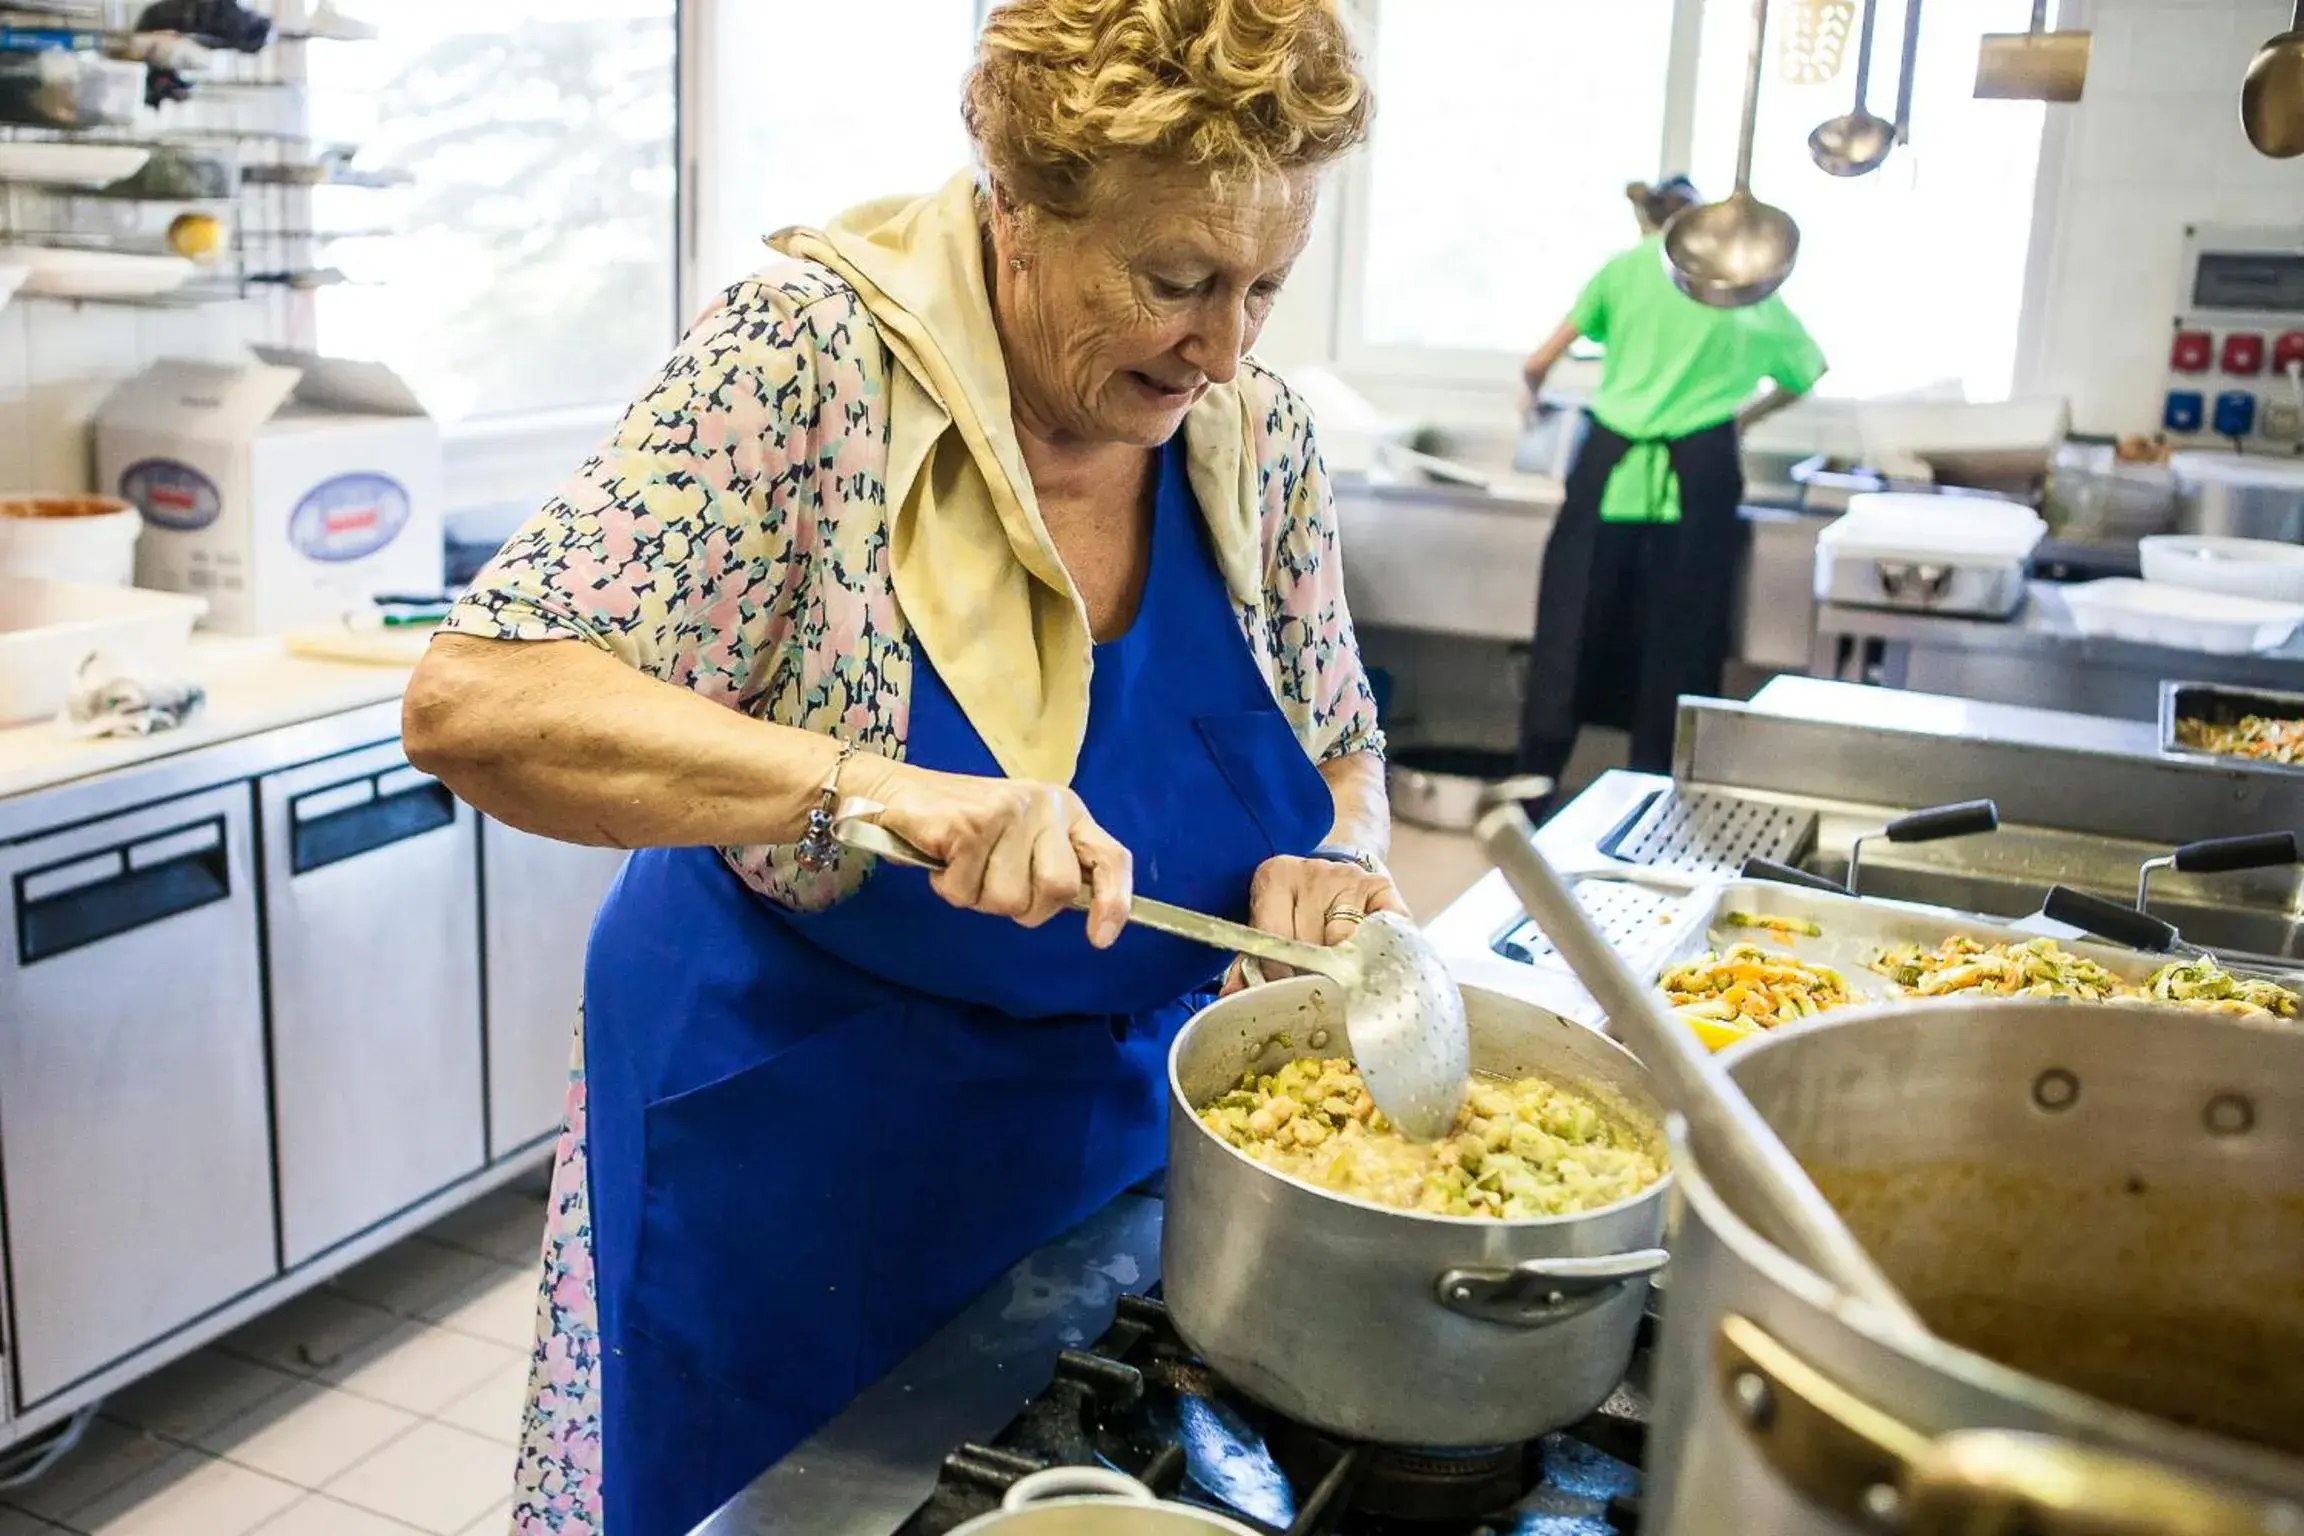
x: 2260, y: 727
x: 1759, y: 956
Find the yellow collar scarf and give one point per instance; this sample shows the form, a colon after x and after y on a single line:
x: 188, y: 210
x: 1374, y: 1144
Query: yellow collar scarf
x: 974, y: 571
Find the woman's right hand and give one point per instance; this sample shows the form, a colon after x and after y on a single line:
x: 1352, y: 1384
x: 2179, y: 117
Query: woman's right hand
x: 1009, y: 847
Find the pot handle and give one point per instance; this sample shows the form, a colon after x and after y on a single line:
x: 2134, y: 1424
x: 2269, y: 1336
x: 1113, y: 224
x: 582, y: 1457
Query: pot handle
x: 1868, y: 1467
x: 1073, y: 1483
x: 1542, y: 1293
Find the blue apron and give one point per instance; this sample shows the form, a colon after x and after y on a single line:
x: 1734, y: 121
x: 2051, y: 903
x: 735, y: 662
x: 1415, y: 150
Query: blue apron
x: 814, y: 1138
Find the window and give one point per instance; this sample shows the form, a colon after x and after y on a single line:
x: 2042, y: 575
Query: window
x: 1506, y: 130
x: 533, y: 258
x: 1911, y: 278
x: 1494, y: 182
x: 797, y: 145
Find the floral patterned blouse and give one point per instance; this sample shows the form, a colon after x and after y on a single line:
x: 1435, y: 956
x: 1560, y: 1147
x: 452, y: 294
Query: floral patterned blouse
x: 731, y: 538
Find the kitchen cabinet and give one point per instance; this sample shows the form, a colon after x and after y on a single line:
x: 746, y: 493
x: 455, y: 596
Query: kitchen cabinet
x: 371, y: 903
x: 538, y: 898
x: 135, y: 1151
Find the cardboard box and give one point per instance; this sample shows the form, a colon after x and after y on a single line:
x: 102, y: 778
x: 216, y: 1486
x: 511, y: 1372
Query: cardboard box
x: 287, y: 491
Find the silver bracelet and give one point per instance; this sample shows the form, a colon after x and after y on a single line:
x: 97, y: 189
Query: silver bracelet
x: 818, y: 849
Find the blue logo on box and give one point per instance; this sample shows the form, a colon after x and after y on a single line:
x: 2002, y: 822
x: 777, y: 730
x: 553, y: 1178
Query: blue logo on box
x: 171, y: 495
x: 349, y: 517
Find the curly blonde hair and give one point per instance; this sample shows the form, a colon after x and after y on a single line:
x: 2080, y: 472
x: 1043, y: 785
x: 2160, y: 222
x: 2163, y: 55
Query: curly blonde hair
x: 1061, y: 88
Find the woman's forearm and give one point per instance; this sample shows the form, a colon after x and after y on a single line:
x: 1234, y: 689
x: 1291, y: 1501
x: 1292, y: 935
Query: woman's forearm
x: 1363, y: 812
x: 566, y: 741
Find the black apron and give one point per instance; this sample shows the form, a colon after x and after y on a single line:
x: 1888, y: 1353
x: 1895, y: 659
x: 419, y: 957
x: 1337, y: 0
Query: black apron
x: 1630, y: 616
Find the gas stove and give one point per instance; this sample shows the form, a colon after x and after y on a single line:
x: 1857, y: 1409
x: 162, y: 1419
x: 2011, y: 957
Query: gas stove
x: 1138, y: 1401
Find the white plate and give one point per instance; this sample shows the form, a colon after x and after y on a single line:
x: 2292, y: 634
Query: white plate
x: 69, y: 165
x: 2259, y: 568
x: 2180, y: 618
x: 68, y: 274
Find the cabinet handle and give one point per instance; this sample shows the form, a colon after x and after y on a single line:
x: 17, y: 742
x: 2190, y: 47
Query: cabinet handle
x: 391, y: 810
x: 111, y: 891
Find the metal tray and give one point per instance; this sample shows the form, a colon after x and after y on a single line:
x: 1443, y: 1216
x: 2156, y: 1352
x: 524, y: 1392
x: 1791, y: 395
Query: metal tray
x: 1856, y: 928
x: 2220, y: 705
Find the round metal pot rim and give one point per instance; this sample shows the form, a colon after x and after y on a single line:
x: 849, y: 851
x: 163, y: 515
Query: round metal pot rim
x: 2098, y: 1419
x: 1438, y: 1219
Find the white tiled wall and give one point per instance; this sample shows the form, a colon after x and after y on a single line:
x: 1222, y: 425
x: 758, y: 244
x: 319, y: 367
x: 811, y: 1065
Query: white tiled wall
x: 58, y: 362
x: 2155, y: 145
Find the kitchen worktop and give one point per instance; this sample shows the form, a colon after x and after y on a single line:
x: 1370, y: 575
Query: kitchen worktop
x: 254, y: 685
x: 2037, y: 658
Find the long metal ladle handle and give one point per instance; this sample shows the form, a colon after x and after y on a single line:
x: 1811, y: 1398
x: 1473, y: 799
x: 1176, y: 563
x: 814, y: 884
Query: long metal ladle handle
x: 1749, y: 1156
x: 855, y: 824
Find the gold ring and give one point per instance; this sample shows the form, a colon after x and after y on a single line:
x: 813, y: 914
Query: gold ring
x: 1346, y: 914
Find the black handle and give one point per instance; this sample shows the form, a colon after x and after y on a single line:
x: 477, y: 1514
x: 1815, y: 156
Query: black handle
x: 384, y: 818
x: 2224, y: 855
x: 1785, y: 874
x: 1966, y: 819
x: 125, y: 887
x: 2108, y: 920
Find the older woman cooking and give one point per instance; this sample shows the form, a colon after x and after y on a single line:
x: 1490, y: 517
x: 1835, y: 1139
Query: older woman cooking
x: 972, y: 507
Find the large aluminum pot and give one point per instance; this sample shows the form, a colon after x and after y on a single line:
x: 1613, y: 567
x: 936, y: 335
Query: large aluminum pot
x: 2110, y: 1196
x: 1386, y: 1325
x: 1093, y: 1501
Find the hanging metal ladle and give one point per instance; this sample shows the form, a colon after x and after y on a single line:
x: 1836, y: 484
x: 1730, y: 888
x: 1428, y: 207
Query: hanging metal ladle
x: 1402, y: 1010
x: 2272, y: 97
x: 1857, y: 143
x: 1735, y: 253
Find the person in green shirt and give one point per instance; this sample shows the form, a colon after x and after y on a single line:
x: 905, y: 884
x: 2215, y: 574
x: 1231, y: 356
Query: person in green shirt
x: 1640, y: 571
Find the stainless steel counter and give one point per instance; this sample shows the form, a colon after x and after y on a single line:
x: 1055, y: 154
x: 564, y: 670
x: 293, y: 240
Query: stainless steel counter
x: 2083, y: 801
x: 865, y: 1472
x: 2037, y: 658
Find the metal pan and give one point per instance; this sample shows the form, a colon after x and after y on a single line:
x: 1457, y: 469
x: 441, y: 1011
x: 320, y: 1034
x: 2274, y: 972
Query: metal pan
x: 1855, y: 928
x: 2219, y: 705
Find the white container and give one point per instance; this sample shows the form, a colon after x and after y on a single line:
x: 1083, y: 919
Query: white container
x: 2260, y: 568
x: 58, y: 272
x: 2180, y: 618
x: 1939, y: 554
x: 87, y: 539
x: 49, y: 629
x: 61, y: 163
x: 288, y: 491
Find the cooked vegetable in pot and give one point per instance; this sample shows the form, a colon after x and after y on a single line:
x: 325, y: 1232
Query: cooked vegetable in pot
x: 1520, y: 1149
x: 2033, y: 968
x: 2258, y: 736
x: 1753, y: 989
x: 1788, y: 927
x: 2204, y: 984
x: 2045, y: 968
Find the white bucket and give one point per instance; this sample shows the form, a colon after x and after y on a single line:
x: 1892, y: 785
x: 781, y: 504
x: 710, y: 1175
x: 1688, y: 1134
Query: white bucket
x: 86, y: 539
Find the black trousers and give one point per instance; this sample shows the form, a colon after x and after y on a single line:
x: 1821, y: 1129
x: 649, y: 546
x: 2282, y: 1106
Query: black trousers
x: 1633, y: 615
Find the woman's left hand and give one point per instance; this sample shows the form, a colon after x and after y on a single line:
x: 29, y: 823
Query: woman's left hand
x: 1319, y: 901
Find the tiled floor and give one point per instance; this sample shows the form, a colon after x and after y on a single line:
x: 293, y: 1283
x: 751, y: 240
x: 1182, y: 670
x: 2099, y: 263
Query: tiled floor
x: 384, y: 1403
x: 388, y: 1401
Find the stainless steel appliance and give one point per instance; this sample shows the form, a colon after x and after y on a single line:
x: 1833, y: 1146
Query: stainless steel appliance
x: 134, y: 1140
x: 1138, y: 1399
x: 2240, y: 496
x: 372, y: 929
x: 538, y: 898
